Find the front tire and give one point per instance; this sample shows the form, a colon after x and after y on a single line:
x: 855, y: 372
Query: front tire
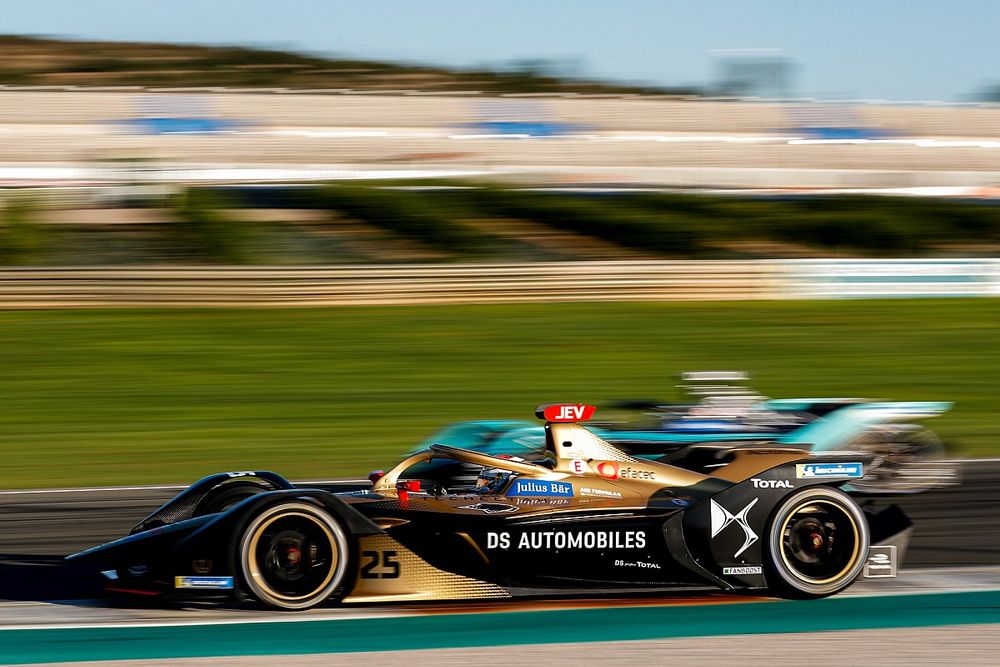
x: 817, y: 543
x: 293, y: 556
x: 224, y: 496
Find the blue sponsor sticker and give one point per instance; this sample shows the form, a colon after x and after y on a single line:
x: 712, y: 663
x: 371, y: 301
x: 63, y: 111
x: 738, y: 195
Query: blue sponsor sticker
x: 534, y: 487
x: 813, y: 470
x: 215, y: 583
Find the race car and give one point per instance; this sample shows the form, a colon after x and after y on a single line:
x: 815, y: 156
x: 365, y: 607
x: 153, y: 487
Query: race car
x: 589, y: 519
x: 906, y: 457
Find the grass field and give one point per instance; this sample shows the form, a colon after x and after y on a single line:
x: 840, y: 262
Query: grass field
x: 100, y: 397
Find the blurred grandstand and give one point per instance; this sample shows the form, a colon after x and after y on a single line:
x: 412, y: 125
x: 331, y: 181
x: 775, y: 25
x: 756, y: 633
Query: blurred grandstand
x: 196, y: 114
x: 115, y: 153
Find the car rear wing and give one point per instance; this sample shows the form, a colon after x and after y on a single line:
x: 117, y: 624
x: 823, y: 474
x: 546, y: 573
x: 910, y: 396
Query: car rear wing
x: 843, y: 425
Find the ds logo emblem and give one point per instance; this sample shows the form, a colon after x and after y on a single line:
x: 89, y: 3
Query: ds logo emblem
x: 721, y: 517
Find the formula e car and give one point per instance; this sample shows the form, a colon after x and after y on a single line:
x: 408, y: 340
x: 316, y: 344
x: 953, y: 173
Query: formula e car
x: 589, y: 519
x: 906, y: 457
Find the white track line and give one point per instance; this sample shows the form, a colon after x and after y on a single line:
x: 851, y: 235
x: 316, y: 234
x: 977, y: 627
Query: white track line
x: 91, y: 489
x: 278, y: 618
x: 170, y: 487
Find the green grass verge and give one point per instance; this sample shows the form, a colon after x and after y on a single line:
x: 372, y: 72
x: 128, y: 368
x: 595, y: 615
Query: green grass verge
x: 102, y: 397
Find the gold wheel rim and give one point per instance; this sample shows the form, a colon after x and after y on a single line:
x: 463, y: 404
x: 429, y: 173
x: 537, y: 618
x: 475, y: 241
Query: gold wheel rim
x: 253, y: 567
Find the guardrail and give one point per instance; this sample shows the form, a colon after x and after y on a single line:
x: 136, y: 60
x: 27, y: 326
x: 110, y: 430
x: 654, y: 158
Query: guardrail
x: 385, y: 285
x: 80, y: 287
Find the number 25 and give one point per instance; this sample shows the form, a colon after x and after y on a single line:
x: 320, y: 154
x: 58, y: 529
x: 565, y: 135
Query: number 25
x: 387, y: 560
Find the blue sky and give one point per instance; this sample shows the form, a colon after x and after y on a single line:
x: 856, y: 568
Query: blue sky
x: 894, y: 49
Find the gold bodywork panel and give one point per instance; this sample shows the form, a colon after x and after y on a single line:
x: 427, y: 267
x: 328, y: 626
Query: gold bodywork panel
x: 389, y: 572
x: 749, y: 462
x: 582, y: 453
x: 590, y: 494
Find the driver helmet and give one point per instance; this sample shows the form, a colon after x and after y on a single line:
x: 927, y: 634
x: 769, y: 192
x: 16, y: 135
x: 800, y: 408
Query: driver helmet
x: 493, y: 479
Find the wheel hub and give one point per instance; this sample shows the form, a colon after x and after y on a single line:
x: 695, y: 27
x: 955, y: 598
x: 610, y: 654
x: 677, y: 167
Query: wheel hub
x: 293, y: 555
x: 817, y: 541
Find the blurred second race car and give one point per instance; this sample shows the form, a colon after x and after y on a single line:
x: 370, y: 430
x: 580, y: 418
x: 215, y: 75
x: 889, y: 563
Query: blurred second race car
x: 723, y: 415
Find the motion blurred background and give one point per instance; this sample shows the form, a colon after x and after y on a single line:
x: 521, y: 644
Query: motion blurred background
x: 304, y: 237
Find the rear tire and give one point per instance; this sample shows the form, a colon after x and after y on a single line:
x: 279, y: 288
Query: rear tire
x: 817, y: 543
x: 293, y: 556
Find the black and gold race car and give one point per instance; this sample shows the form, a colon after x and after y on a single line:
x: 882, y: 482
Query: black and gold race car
x: 589, y: 519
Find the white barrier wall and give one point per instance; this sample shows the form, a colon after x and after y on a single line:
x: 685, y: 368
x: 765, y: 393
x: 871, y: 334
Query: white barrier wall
x: 880, y: 278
